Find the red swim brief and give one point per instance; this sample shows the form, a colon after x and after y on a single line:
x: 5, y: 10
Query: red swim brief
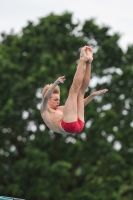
x: 73, y: 127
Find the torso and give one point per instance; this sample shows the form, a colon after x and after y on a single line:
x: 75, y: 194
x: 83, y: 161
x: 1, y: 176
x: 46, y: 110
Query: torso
x: 53, y: 118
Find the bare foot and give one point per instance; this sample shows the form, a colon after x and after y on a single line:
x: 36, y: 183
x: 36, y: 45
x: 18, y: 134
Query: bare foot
x: 83, y: 54
x: 99, y: 92
x: 89, y: 53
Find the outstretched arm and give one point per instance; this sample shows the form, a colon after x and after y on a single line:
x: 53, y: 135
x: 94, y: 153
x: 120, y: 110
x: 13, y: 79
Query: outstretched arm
x: 91, y: 96
x: 50, y: 91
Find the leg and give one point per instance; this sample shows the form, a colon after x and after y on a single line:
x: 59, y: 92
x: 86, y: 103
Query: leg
x: 84, y: 86
x: 70, y: 108
x: 87, y: 74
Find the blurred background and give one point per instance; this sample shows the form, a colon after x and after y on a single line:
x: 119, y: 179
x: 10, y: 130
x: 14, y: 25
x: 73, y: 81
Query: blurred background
x: 40, y: 41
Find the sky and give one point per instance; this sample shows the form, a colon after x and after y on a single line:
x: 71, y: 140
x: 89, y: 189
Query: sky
x: 116, y: 14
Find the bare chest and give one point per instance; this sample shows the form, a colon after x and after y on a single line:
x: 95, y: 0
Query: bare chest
x: 52, y: 119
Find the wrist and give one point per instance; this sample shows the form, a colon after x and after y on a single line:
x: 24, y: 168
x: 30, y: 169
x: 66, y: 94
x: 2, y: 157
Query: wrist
x: 57, y: 82
x: 92, y: 95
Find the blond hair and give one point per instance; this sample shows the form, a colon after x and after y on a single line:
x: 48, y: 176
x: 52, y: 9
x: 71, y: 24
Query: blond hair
x: 46, y: 87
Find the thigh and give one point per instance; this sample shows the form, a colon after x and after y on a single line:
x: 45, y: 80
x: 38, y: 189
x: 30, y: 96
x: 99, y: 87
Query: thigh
x: 80, y: 106
x: 70, y: 107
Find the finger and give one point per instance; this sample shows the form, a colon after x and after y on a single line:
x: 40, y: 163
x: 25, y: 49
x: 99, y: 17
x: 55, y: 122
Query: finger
x: 105, y: 90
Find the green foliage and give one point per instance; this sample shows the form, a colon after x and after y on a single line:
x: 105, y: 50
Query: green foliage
x: 39, y: 164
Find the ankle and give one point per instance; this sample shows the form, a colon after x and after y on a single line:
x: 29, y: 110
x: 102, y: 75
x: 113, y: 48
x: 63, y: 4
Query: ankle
x: 89, y: 61
x: 82, y: 59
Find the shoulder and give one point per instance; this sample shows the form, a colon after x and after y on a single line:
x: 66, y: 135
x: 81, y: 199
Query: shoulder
x: 61, y: 107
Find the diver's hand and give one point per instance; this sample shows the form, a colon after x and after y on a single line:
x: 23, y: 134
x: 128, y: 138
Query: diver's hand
x: 60, y: 80
x: 99, y: 92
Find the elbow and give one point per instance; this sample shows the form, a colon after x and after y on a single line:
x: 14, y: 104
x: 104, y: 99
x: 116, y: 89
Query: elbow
x: 46, y: 98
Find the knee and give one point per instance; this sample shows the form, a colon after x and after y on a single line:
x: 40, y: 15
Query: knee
x: 81, y: 92
x: 74, y: 90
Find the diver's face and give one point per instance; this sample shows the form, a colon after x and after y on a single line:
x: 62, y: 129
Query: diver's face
x: 54, y: 101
